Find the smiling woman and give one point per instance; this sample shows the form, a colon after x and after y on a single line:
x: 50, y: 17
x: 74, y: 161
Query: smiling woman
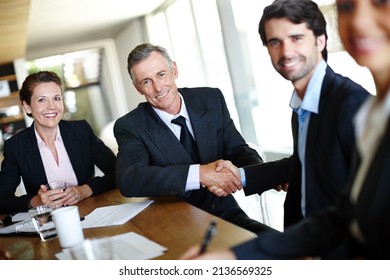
x: 52, y: 149
x: 45, y: 105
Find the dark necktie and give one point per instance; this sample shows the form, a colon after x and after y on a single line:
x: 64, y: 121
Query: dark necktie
x: 186, y: 138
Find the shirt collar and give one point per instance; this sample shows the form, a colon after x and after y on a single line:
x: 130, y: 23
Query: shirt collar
x: 41, y: 143
x: 382, y: 112
x: 311, y: 99
x: 167, y: 118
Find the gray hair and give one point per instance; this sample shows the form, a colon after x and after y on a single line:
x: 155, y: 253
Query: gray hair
x: 141, y: 52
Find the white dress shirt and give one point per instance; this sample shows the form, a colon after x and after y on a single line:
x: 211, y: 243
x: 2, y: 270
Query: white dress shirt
x: 63, y: 171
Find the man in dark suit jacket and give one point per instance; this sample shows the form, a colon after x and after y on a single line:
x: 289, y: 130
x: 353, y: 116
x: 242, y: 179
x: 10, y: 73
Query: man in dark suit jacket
x: 151, y: 159
x: 329, y: 147
x: 294, y: 33
x: 22, y: 160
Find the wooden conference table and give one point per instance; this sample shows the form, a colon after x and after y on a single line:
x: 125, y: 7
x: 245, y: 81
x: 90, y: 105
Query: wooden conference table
x: 170, y: 222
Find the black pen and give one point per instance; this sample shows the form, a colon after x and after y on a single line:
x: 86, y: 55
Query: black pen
x: 211, y: 230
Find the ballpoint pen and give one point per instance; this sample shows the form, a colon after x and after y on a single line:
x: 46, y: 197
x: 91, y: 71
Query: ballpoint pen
x: 211, y: 231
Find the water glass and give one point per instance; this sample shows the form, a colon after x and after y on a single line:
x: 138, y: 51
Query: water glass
x: 42, y: 222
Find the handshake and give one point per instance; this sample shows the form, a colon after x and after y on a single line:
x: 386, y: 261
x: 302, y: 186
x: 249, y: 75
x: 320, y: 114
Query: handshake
x: 220, y: 177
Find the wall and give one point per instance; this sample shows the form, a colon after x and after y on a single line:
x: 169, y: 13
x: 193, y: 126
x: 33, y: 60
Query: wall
x: 125, y: 41
x: 112, y: 83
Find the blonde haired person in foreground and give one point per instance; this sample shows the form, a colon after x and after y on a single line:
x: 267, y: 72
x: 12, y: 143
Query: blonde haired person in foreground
x: 360, y: 218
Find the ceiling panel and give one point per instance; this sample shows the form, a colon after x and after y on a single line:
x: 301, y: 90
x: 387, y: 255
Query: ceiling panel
x: 13, y: 29
x: 34, y: 24
x: 53, y: 23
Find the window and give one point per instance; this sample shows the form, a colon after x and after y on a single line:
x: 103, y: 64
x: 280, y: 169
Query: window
x: 80, y: 73
x: 272, y: 114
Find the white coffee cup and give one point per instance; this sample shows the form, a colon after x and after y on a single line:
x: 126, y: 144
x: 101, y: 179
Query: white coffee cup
x: 68, y: 225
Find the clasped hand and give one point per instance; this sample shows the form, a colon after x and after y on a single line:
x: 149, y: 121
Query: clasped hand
x: 220, y: 177
x: 59, y: 197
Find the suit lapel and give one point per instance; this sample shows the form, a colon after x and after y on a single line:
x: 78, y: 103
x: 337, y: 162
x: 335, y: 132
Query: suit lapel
x: 170, y: 146
x: 163, y: 138
x: 32, y: 156
x: 73, y: 149
x: 379, y: 161
x: 315, y: 118
x: 204, y: 129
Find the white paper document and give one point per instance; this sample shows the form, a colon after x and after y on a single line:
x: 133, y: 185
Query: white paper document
x: 22, y: 216
x: 25, y: 226
x: 103, y: 216
x: 114, y: 214
x: 127, y: 246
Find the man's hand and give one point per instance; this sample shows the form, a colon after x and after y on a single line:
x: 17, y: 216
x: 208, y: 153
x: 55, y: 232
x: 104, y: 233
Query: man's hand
x: 193, y: 254
x: 221, y: 164
x: 217, y: 191
x: 218, y: 180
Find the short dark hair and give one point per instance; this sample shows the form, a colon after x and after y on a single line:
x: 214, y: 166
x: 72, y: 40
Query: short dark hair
x: 297, y: 11
x: 33, y: 80
x: 143, y: 51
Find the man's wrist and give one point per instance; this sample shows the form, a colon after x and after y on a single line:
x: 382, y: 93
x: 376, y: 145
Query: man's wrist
x: 193, y: 178
x: 243, y: 178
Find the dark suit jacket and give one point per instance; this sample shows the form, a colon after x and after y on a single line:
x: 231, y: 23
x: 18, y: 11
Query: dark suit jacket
x: 322, y: 232
x: 152, y: 161
x: 329, y: 148
x: 23, y: 160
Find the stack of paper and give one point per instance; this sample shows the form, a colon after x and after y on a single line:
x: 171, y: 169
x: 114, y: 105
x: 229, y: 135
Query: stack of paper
x: 113, y: 215
x: 100, y: 217
x: 127, y: 246
x: 25, y: 226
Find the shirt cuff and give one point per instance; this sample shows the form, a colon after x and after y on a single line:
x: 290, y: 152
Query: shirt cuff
x: 193, y: 182
x: 243, y: 178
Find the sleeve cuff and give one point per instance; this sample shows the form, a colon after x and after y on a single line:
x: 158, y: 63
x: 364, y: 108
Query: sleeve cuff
x: 193, y: 182
x: 243, y: 178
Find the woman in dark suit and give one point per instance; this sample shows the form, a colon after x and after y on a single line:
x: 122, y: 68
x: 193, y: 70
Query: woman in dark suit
x: 361, y: 217
x: 52, y: 150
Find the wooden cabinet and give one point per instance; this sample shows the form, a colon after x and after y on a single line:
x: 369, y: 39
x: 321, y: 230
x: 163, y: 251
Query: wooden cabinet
x: 11, y: 111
